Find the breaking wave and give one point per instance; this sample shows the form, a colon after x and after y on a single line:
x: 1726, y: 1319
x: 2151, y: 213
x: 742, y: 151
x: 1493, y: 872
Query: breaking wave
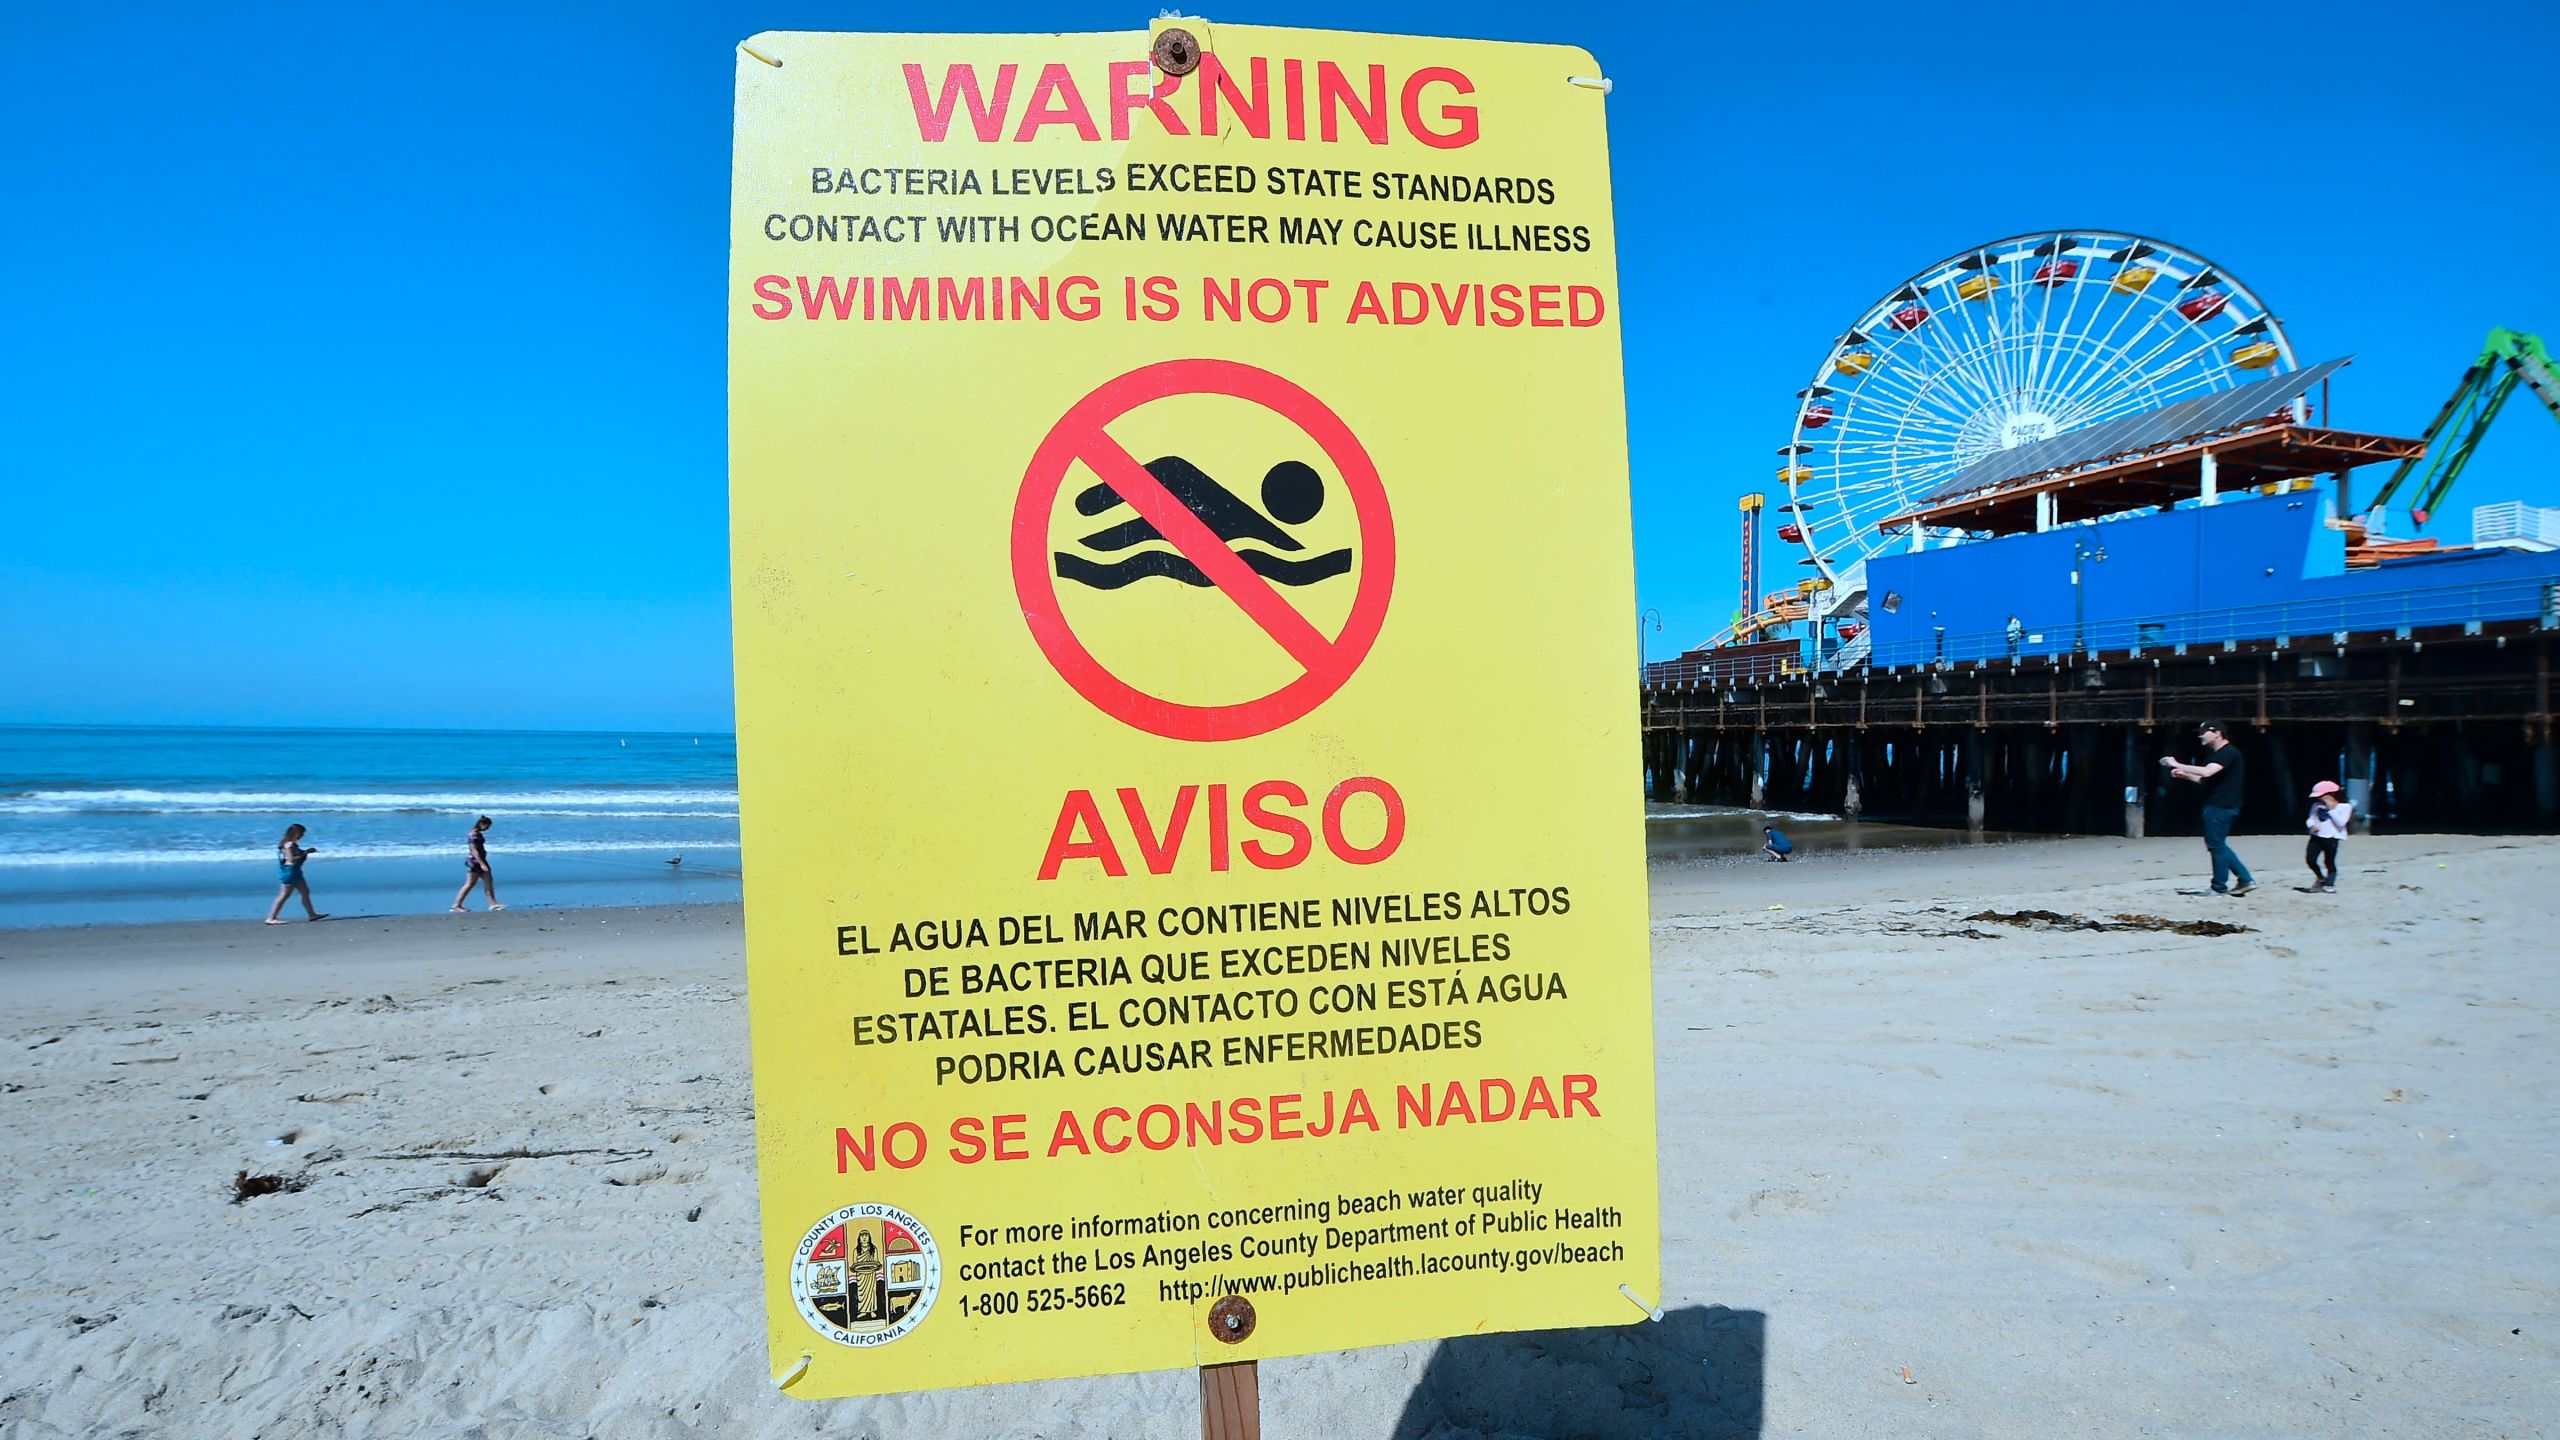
x: 613, y: 804
x: 251, y: 855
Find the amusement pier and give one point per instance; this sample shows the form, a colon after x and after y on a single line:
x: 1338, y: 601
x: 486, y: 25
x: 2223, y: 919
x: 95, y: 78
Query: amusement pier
x: 2060, y: 497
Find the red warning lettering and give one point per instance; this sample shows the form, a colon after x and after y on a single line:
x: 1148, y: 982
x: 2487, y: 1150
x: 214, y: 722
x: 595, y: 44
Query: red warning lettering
x: 1335, y: 104
x: 1278, y: 838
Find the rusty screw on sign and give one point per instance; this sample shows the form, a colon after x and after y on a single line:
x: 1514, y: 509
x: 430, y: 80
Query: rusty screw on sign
x: 1231, y: 1319
x: 1177, y: 52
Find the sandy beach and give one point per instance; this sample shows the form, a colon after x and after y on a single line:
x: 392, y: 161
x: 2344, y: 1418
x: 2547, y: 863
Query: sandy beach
x: 1927, y: 1172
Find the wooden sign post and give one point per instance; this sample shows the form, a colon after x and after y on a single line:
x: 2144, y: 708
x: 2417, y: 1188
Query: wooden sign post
x: 1231, y: 1401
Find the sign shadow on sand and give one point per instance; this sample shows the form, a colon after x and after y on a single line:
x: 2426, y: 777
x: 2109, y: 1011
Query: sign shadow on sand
x: 1697, y: 1373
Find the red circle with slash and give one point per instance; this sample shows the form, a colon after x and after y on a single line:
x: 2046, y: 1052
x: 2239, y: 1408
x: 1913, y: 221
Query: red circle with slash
x: 1325, y: 662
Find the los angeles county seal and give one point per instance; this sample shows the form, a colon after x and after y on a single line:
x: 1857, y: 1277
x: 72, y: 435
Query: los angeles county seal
x: 866, y: 1275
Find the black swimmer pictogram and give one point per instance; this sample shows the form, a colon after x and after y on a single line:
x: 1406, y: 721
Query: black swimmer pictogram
x: 1292, y: 493
x: 1197, y: 519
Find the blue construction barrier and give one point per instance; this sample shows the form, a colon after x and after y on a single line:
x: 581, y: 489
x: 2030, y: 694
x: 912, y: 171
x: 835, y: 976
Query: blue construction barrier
x: 2254, y: 569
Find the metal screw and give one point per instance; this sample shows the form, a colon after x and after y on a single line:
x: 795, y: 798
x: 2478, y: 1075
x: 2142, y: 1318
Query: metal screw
x: 1177, y: 51
x: 1231, y: 1319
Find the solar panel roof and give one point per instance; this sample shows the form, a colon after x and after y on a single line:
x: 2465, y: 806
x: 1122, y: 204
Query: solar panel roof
x: 2167, y: 425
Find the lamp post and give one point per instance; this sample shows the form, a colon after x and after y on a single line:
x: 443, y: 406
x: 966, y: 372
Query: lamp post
x: 2084, y: 553
x: 1648, y: 614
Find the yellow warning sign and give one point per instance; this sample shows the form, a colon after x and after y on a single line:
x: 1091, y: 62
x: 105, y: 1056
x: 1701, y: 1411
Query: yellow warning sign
x: 1196, y: 903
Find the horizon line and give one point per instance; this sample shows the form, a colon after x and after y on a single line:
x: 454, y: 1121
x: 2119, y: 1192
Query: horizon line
x: 353, y: 729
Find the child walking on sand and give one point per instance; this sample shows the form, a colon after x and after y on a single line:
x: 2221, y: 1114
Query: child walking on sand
x: 475, y: 866
x: 2327, y: 823
x: 290, y: 853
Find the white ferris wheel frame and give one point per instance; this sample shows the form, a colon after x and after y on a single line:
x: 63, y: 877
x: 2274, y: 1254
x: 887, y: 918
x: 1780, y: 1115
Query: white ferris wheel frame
x: 2027, y: 360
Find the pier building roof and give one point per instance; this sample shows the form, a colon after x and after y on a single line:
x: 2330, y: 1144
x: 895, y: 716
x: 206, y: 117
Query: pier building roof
x: 2247, y: 437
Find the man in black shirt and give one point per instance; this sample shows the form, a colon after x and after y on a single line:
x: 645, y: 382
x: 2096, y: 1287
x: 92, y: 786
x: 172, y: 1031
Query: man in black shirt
x: 2223, y: 775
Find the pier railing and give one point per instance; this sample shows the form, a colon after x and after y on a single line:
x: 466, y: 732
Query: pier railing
x: 1723, y: 670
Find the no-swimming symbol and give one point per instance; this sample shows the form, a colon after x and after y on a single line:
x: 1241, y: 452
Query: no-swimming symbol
x: 1184, y: 524
x: 1292, y: 494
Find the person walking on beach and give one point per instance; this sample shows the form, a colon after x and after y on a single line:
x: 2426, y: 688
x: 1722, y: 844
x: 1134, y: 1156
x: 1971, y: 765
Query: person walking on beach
x: 2223, y: 775
x: 2327, y: 823
x: 475, y: 867
x: 1776, y: 846
x: 290, y: 853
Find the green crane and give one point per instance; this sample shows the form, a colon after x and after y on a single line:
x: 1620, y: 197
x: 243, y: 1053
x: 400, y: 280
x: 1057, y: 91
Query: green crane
x: 2509, y: 357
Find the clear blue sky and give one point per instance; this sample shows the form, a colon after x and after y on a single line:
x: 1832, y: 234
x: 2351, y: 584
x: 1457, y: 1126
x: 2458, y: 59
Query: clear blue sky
x: 365, y: 365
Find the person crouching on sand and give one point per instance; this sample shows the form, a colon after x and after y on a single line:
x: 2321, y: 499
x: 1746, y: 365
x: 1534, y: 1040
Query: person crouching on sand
x: 2327, y: 823
x: 475, y: 866
x: 1776, y: 845
x: 290, y: 853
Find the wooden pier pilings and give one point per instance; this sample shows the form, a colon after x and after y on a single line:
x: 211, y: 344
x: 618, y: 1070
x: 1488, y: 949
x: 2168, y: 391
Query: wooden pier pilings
x: 2446, y: 730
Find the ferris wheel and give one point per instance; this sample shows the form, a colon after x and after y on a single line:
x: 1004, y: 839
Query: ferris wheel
x: 1992, y: 348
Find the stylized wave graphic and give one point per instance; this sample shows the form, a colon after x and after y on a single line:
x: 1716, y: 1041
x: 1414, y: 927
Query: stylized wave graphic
x: 1173, y: 565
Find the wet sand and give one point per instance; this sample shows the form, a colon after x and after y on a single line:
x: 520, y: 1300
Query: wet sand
x: 1927, y: 1171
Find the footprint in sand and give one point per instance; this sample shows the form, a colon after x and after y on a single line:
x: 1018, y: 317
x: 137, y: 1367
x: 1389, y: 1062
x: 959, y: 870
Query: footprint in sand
x: 1771, y: 1203
x: 655, y: 1175
x: 2225, y: 1254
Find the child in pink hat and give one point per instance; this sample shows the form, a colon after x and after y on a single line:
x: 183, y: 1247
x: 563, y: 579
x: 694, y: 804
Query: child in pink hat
x: 2327, y: 823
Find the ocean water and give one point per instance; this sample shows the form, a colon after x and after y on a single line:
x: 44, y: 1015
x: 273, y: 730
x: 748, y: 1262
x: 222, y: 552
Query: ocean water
x: 1677, y: 834
x: 118, y: 824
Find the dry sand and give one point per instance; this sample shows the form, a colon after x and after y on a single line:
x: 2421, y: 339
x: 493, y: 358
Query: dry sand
x: 2297, y: 1181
